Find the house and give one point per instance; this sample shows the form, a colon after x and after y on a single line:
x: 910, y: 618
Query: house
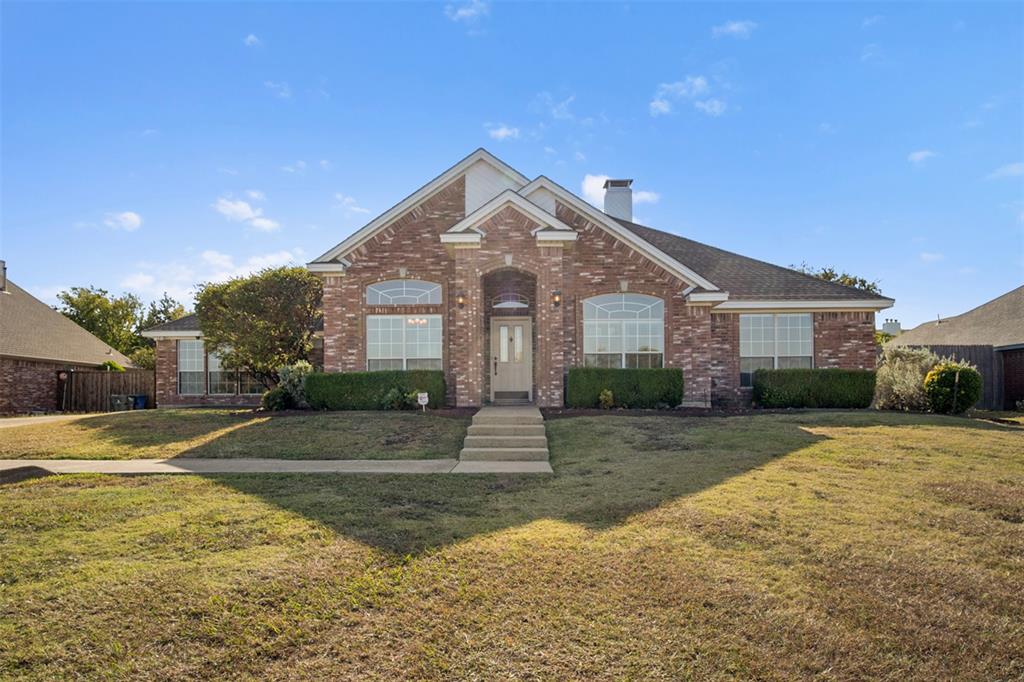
x: 37, y: 343
x: 505, y: 283
x: 991, y: 337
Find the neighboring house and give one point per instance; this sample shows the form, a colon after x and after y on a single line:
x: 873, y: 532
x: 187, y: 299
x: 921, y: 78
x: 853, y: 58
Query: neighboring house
x: 991, y: 337
x: 504, y: 283
x: 36, y: 344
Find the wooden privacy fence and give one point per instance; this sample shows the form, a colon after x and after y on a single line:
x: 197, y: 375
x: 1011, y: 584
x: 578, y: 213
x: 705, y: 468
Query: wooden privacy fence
x: 90, y: 390
x: 989, y: 364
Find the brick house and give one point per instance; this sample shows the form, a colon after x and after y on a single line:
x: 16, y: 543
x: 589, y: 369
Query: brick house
x: 504, y: 283
x: 37, y: 343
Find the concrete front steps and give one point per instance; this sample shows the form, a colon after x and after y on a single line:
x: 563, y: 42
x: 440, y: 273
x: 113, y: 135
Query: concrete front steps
x: 506, y: 434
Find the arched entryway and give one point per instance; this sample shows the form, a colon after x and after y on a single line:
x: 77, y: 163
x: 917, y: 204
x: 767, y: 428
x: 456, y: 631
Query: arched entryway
x: 510, y: 302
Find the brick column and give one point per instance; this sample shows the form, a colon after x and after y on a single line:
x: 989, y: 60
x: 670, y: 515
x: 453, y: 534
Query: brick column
x: 466, y: 354
x: 549, y: 355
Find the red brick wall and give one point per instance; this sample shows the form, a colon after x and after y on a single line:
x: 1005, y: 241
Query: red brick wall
x: 724, y: 366
x: 167, y: 383
x: 845, y: 340
x: 30, y: 385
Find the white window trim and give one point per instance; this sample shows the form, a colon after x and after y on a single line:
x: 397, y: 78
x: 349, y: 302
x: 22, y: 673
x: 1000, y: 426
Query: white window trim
x: 775, y: 342
x: 405, y: 359
x: 436, y: 286
x: 209, y: 380
x: 203, y: 371
x: 624, y: 352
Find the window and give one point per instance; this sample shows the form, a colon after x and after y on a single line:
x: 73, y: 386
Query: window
x: 403, y: 342
x: 191, y: 370
x: 623, y: 330
x: 222, y: 381
x: 403, y: 292
x: 774, y: 342
x: 248, y: 384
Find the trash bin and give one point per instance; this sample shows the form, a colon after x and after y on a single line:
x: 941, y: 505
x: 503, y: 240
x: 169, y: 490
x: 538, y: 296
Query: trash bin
x: 139, y: 402
x: 118, y: 403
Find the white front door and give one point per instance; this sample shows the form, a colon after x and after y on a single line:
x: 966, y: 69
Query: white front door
x: 511, y: 358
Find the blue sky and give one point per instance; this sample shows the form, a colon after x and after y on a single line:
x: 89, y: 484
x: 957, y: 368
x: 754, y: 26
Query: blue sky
x: 148, y: 147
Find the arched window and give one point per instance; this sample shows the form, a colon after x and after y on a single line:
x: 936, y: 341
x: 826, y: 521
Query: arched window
x: 623, y: 330
x: 403, y: 292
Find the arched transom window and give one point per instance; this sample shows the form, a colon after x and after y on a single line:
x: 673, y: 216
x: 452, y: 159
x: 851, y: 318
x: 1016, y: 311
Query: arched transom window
x: 403, y: 292
x: 623, y: 330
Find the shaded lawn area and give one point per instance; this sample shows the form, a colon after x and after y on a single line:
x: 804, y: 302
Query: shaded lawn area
x: 825, y: 545
x: 231, y: 433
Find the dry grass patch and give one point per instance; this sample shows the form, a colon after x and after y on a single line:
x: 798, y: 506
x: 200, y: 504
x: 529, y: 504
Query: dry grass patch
x: 663, y: 548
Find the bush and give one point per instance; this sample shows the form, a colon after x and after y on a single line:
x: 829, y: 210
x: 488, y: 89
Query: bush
x: 642, y: 388
x: 606, y: 399
x: 900, y: 378
x: 144, y: 357
x: 292, y: 378
x: 110, y: 366
x: 835, y: 388
x: 276, y: 399
x: 367, y: 390
x: 952, y: 387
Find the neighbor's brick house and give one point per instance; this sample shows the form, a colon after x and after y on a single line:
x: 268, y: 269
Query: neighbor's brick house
x: 506, y: 283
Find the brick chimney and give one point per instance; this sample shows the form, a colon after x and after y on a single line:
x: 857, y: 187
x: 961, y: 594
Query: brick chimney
x: 618, y: 199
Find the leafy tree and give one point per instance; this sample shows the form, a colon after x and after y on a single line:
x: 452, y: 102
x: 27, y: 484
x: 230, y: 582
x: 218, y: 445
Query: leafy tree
x: 261, y: 322
x: 882, y: 338
x: 144, y: 357
x: 114, y: 319
x: 165, y: 310
x: 830, y: 274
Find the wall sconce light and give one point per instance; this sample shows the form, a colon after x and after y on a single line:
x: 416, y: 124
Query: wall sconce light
x: 460, y: 300
x: 556, y: 298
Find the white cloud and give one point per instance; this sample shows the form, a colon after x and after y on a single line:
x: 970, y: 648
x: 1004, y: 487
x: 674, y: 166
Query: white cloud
x: 667, y: 93
x: 871, y: 21
x: 279, y: 88
x: 227, y: 171
x: 550, y: 150
x: 326, y: 165
x: 502, y: 132
x: 255, y: 195
x: 349, y: 203
x: 579, y: 156
x: 240, y: 211
x: 1010, y: 170
x: 734, y: 29
x: 826, y: 128
x: 870, y: 53
x: 469, y: 12
x: 216, y: 259
x: 592, y: 189
x: 711, y: 107
x: 179, y: 278
x: 48, y: 294
x: 931, y: 256
x: 129, y: 221
x: 138, y: 281
x: 252, y: 41
x: 920, y: 156
x: 297, y: 167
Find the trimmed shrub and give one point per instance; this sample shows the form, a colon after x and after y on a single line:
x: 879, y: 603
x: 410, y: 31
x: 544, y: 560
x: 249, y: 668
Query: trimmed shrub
x: 900, y: 381
x: 367, y: 390
x: 640, y: 388
x: 110, y: 366
x: 276, y: 399
x: 952, y: 387
x: 834, y: 388
x: 606, y: 399
x: 292, y: 378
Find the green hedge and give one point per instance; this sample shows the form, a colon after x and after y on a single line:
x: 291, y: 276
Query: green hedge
x: 366, y: 390
x: 814, y: 387
x: 642, y: 388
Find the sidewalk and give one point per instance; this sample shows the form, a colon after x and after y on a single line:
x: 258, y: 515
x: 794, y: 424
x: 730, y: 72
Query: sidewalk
x: 275, y: 466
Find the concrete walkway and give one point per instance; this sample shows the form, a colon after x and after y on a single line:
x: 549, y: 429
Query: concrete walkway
x: 11, y: 422
x: 185, y: 465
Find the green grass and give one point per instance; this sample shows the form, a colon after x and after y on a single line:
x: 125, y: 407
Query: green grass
x: 227, y: 433
x: 824, y: 545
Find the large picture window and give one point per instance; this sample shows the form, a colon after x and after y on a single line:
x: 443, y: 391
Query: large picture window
x: 623, y: 330
x: 403, y: 292
x: 191, y: 369
x: 770, y: 341
x: 403, y: 342
x: 221, y: 381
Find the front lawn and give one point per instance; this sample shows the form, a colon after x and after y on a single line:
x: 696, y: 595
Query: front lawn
x: 824, y: 545
x: 231, y: 433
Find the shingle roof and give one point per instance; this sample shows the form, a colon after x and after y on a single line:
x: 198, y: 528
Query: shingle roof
x: 31, y: 329
x: 190, y: 323
x: 746, y: 278
x: 1000, y: 322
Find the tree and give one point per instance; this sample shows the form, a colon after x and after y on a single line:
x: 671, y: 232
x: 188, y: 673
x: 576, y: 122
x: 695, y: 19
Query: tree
x: 114, y: 319
x: 164, y: 310
x: 832, y: 275
x: 261, y: 322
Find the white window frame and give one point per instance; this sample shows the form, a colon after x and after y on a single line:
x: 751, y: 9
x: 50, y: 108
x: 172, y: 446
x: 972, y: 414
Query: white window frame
x: 212, y: 358
x: 405, y: 358
x: 775, y: 355
x: 428, y: 290
x: 622, y: 322
x: 201, y: 371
